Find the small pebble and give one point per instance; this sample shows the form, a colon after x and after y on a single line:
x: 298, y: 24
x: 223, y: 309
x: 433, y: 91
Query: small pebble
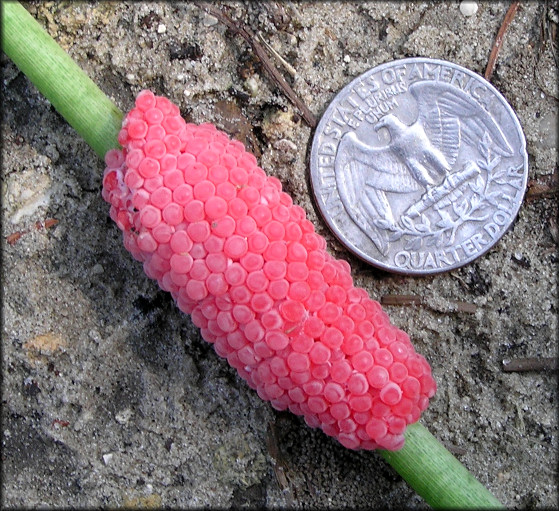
x: 161, y: 29
x: 95, y: 335
x: 468, y: 8
x: 252, y: 85
x: 97, y: 269
x: 107, y: 458
x: 209, y: 20
x: 124, y: 416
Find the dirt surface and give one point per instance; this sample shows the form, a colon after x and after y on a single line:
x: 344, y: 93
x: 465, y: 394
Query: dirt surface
x: 111, y: 398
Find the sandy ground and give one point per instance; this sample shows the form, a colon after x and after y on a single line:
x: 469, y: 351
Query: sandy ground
x: 111, y: 398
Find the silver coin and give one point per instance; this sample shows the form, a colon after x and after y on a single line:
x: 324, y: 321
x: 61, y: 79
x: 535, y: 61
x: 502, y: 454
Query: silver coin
x: 419, y: 166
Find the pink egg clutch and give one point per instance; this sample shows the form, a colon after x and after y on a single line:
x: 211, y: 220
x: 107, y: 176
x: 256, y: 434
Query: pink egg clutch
x: 238, y: 256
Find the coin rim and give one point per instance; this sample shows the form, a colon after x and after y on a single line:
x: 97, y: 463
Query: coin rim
x: 314, y: 176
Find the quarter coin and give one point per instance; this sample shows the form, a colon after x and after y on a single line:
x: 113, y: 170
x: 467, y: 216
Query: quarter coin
x: 419, y: 166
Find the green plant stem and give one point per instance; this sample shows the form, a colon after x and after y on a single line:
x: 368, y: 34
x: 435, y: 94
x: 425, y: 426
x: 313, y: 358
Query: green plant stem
x: 74, y: 95
x: 424, y: 463
x: 435, y: 474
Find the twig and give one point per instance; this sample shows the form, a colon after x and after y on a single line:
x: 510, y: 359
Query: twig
x: 544, y: 187
x: 281, y: 470
x: 288, y: 67
x: 553, y: 230
x: 403, y: 300
x: 499, y: 40
x: 540, y: 191
x: 470, y: 308
x: 47, y: 224
x: 260, y: 52
x: 521, y: 365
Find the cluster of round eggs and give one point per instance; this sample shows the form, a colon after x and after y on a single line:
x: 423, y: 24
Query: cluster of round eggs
x: 240, y: 258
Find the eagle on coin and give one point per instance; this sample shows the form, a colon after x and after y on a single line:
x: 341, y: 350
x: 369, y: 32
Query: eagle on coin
x: 417, y: 158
